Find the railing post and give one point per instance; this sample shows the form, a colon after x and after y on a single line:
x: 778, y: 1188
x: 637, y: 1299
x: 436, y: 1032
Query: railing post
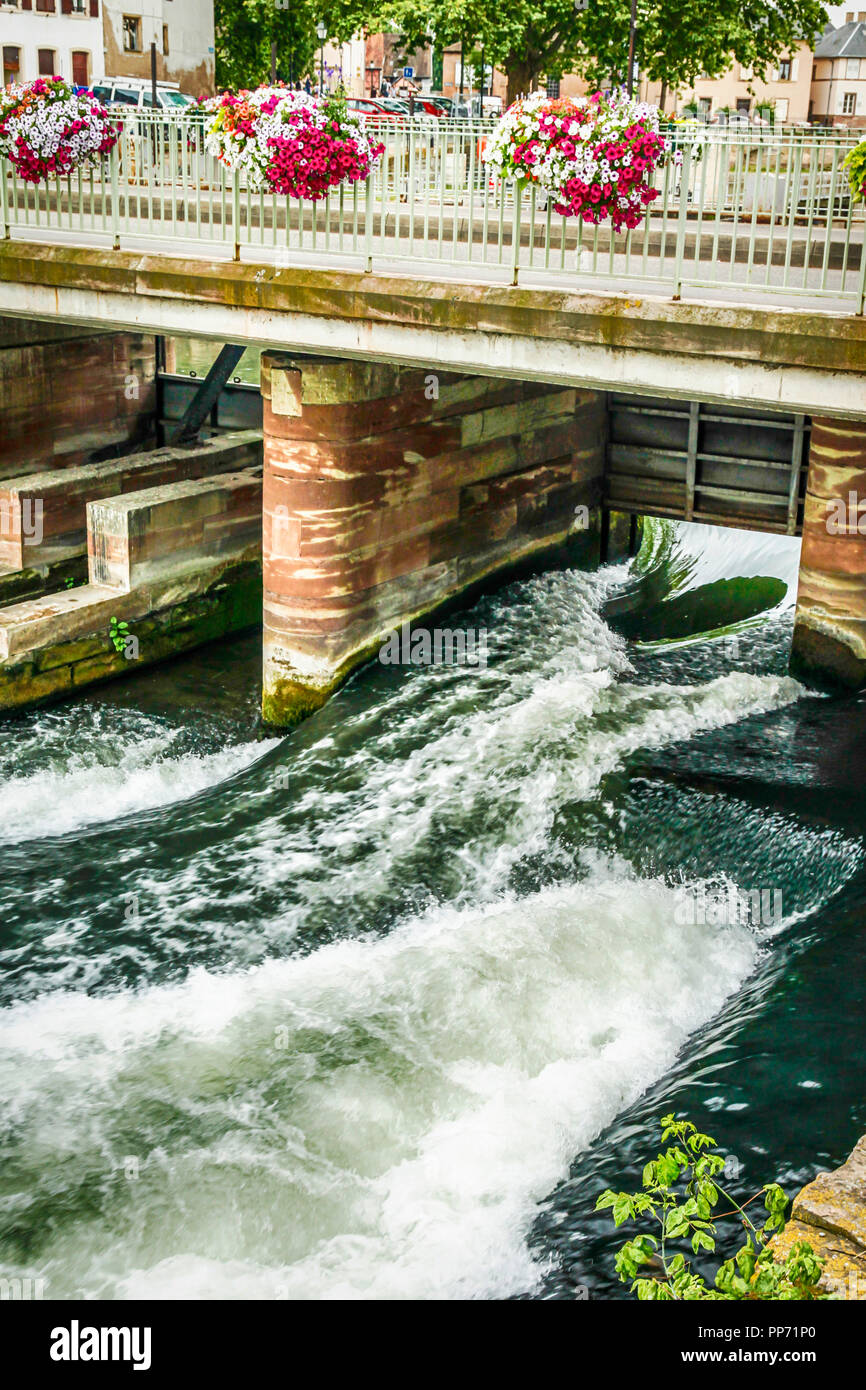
x: 114, y: 161
x: 861, y: 293
x: 515, y: 234
x: 5, y: 218
x: 681, y: 220
x: 368, y: 223
x: 236, y: 212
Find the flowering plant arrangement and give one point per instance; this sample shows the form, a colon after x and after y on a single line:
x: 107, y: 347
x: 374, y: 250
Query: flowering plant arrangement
x: 289, y: 142
x: 854, y: 165
x: 596, y: 157
x: 48, y: 129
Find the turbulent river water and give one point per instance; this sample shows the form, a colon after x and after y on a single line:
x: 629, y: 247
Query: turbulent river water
x: 377, y: 1009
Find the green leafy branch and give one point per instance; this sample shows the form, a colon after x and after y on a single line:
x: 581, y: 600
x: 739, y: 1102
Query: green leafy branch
x: 678, y: 1199
x: 854, y: 164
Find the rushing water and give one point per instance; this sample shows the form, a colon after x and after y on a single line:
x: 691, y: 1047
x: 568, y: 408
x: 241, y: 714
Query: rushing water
x: 375, y: 1010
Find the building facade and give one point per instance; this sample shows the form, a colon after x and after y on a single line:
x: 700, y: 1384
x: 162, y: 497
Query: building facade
x: 384, y: 59
x: 784, y: 90
x: 51, y: 38
x: 839, y: 78
x: 344, y: 65
x: 183, y: 31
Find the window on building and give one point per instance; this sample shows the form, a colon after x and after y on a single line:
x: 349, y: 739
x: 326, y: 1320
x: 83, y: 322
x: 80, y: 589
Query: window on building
x: 11, y: 65
x: 46, y: 60
x: 132, y: 33
x: 785, y: 70
x: 78, y: 6
x: 780, y: 109
x: 165, y: 39
x: 705, y: 106
x: 852, y: 68
x: 553, y: 88
x: 849, y: 104
x: 743, y: 104
x: 746, y: 74
x: 80, y: 69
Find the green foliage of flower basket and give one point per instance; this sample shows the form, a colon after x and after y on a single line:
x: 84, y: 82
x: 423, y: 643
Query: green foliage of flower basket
x: 854, y: 164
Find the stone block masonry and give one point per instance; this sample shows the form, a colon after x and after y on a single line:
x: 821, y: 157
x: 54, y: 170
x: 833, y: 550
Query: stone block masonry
x: 390, y: 491
x: 163, y: 533
x: 58, y: 499
x: 65, y: 402
x: 830, y: 628
x: 179, y: 565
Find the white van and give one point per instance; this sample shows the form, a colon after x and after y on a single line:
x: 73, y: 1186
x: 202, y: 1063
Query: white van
x: 135, y: 91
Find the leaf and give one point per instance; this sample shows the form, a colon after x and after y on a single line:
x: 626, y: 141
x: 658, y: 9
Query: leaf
x: 676, y: 1224
x: 621, y: 1209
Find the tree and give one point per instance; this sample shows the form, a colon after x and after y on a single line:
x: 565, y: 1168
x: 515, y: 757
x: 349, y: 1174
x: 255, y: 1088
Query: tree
x: 524, y: 39
x: 677, y: 39
x: 244, y: 32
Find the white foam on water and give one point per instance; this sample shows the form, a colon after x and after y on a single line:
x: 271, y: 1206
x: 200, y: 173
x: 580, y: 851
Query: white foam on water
x: 376, y: 1120
x: 543, y: 730
x: 110, y: 777
x: 380, y: 1118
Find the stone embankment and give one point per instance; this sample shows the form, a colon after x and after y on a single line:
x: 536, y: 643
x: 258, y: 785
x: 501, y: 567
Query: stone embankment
x: 831, y: 1215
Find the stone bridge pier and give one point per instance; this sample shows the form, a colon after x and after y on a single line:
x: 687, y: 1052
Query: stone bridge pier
x: 830, y: 628
x: 391, y: 492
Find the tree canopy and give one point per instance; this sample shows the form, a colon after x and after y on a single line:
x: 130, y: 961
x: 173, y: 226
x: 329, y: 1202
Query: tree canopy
x: 677, y: 39
x: 245, y: 30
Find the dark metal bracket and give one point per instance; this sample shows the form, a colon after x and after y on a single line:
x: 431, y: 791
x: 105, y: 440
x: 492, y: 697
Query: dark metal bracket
x: 208, y: 394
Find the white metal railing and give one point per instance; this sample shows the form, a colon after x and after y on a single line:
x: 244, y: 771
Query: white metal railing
x: 748, y: 210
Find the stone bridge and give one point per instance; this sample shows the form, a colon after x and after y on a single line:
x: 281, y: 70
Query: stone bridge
x: 420, y: 437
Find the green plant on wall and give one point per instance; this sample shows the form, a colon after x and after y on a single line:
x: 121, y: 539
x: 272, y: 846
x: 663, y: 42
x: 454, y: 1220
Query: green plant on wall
x: 854, y: 165
x: 118, y: 634
x: 677, y: 1201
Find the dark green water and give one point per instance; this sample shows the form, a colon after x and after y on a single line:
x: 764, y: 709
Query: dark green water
x: 377, y: 1009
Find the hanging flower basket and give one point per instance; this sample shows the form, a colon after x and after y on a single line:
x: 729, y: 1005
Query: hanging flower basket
x: 854, y: 165
x: 47, y: 130
x: 288, y: 142
x: 595, y: 157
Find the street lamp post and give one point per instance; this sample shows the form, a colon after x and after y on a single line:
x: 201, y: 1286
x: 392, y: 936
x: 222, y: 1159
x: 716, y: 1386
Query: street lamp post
x: 632, y: 43
x: 322, y: 31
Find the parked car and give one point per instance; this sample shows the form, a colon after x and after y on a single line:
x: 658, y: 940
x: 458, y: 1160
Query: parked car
x: 375, y: 107
x: 133, y: 91
x: 446, y: 104
x: 389, y: 109
x: 400, y: 106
